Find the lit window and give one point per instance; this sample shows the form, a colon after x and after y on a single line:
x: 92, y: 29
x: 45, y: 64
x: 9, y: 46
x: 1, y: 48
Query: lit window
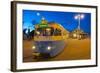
x: 38, y: 32
x: 48, y: 29
x: 74, y: 35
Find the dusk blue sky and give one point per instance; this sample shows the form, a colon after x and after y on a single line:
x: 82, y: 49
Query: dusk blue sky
x: 66, y: 19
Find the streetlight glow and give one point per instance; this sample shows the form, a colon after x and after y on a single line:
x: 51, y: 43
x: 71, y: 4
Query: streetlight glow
x: 79, y: 16
x: 82, y: 16
x: 76, y: 17
x: 38, y: 14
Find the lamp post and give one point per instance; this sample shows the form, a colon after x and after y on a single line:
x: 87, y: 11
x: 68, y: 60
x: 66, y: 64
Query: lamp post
x: 79, y: 17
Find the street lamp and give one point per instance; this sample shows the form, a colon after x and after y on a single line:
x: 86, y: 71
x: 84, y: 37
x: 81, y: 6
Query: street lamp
x: 38, y: 14
x: 79, y: 17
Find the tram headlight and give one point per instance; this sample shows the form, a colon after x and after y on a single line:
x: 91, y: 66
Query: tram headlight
x: 49, y: 48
